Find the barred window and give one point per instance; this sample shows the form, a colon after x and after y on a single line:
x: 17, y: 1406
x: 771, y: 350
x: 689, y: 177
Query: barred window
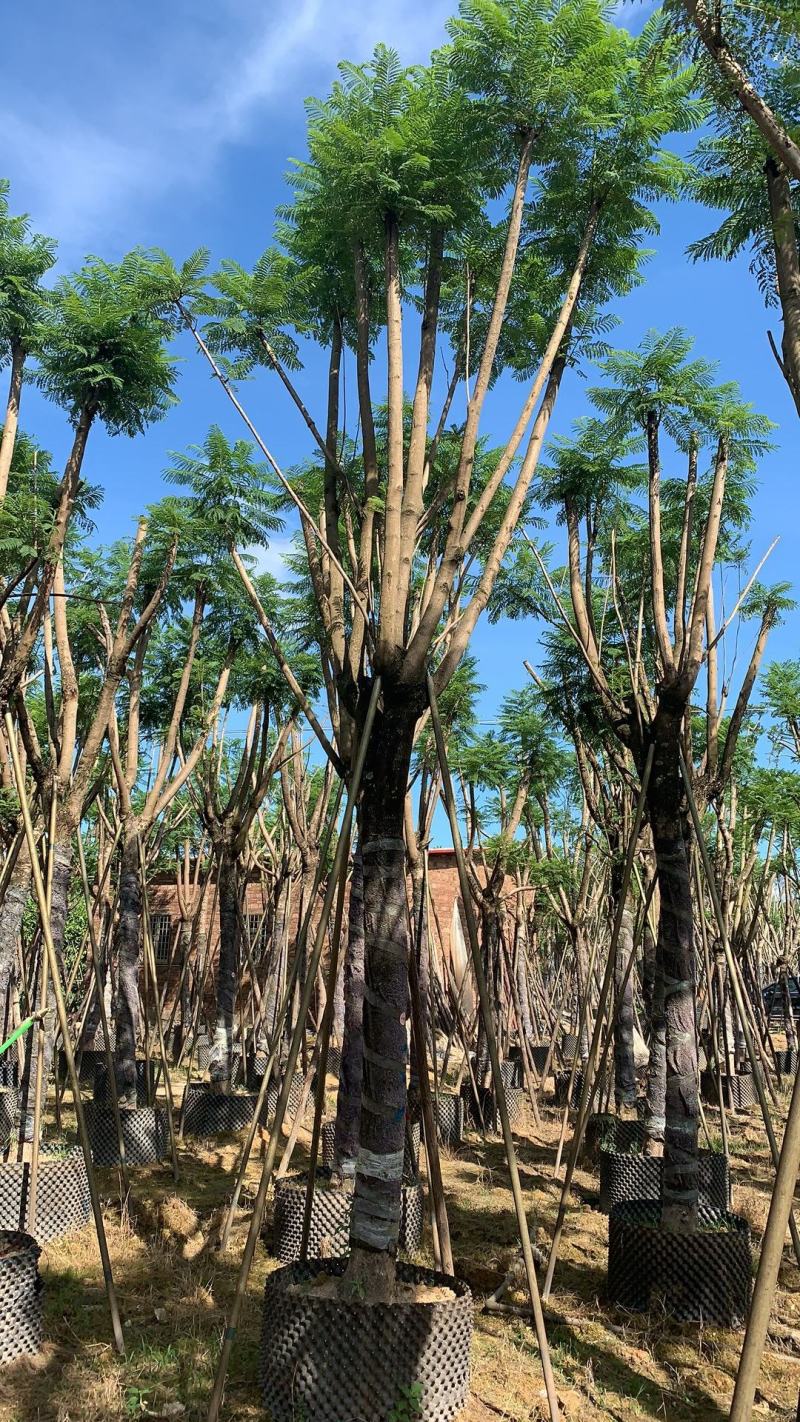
x: 256, y: 925
x: 161, y: 925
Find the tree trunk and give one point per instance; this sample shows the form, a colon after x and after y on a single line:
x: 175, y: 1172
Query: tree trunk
x: 11, y: 422
x: 127, y: 951
x: 677, y: 959
x: 624, y: 1064
x: 219, y: 1066
x: 375, y: 1219
x: 13, y: 907
x: 348, y: 1101
x: 62, y: 866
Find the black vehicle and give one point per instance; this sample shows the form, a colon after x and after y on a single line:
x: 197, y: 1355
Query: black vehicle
x: 773, y: 999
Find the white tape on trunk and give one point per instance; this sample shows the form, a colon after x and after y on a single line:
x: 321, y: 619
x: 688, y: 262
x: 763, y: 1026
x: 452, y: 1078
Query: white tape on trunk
x: 380, y: 1167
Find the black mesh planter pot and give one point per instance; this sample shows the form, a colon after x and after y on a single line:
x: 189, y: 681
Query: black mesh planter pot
x: 9, y: 1071
x: 706, y: 1276
x: 569, y: 1045
x: 9, y: 1102
x: 633, y: 1176
x: 202, y: 1053
x: 329, y: 1232
x: 327, y: 1141
x: 102, y: 1090
x: 216, y: 1113
x: 510, y: 1072
x: 413, y: 1139
x: 539, y: 1052
x: 611, y: 1132
x: 561, y: 1087
x: 295, y: 1093
x: 20, y: 1296
x: 488, y: 1106
x: 786, y: 1061
x: 145, y: 1134
x: 738, y: 1092
x: 449, y: 1112
x: 87, y: 1064
x: 332, y: 1360
x: 63, y: 1202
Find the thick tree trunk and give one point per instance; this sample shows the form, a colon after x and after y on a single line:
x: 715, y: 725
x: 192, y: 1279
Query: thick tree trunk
x: 127, y: 951
x: 676, y: 954
x: 62, y: 867
x: 11, y: 911
x: 375, y: 1219
x: 348, y: 1101
x: 227, y: 969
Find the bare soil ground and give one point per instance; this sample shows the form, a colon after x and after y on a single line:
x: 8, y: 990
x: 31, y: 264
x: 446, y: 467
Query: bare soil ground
x: 175, y: 1287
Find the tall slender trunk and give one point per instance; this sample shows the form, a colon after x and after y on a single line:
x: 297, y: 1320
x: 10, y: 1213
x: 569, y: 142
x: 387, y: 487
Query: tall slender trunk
x: 11, y: 911
x: 676, y: 952
x: 188, y: 927
x: 227, y: 968
x: 62, y: 866
x: 127, y: 951
x: 375, y: 1219
x: 348, y: 1101
x: 9, y: 436
x: 624, y: 1064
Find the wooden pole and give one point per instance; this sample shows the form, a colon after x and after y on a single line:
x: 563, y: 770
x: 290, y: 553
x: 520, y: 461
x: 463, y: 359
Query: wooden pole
x: 340, y: 860
x: 61, y: 1009
x: 737, y: 991
x: 491, y: 1042
x: 608, y: 978
x: 150, y: 957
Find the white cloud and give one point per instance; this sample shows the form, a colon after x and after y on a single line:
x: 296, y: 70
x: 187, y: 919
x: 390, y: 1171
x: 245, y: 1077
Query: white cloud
x: 88, y: 159
x: 273, y: 559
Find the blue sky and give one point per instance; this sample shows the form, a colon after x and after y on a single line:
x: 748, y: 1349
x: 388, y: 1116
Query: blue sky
x: 172, y: 125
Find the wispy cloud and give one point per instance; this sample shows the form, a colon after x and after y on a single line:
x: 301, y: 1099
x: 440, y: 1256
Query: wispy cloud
x: 87, y: 159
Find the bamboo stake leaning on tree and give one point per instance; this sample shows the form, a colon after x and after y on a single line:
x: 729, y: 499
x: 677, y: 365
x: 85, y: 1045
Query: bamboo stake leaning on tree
x: 608, y: 978
x: 41, y: 1030
x: 110, y: 1073
x: 780, y: 1210
x: 323, y: 1040
x: 737, y: 991
x: 97, y: 1211
x: 491, y: 1042
x: 150, y: 958
x: 339, y: 864
x: 288, y: 992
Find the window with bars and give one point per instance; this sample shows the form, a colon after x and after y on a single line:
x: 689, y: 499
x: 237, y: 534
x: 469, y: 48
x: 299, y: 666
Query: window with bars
x: 161, y: 926
x: 256, y: 925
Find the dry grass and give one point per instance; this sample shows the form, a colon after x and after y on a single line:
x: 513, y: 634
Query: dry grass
x: 175, y: 1287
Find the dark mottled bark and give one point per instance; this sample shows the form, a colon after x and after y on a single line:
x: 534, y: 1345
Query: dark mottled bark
x: 375, y: 1218
x: 788, y: 1015
x: 676, y: 953
x: 657, y: 1066
x: 127, y: 951
x: 185, y: 1008
x: 227, y: 967
x: 11, y: 912
x: 348, y: 1101
x: 648, y: 972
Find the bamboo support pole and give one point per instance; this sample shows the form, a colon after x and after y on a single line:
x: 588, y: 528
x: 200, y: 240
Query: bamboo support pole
x: 491, y: 1042
x: 61, y: 1009
x: 98, y: 978
x: 150, y: 958
x: 737, y: 991
x: 41, y: 1027
x: 340, y: 860
x: 608, y: 978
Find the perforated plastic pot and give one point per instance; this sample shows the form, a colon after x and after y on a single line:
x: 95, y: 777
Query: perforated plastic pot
x: 488, y: 1106
x: 86, y: 1062
x: 9, y: 1070
x: 633, y: 1176
x: 295, y: 1093
x: 569, y: 1045
x: 738, y: 1092
x: 449, y: 1112
x: 216, y: 1113
x: 614, y: 1132
x: 20, y: 1296
x: 705, y: 1276
x: 329, y: 1231
x: 102, y: 1090
x: 561, y: 1087
x: 145, y: 1134
x: 786, y: 1061
x: 63, y: 1202
x: 332, y: 1360
x: 9, y: 1103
